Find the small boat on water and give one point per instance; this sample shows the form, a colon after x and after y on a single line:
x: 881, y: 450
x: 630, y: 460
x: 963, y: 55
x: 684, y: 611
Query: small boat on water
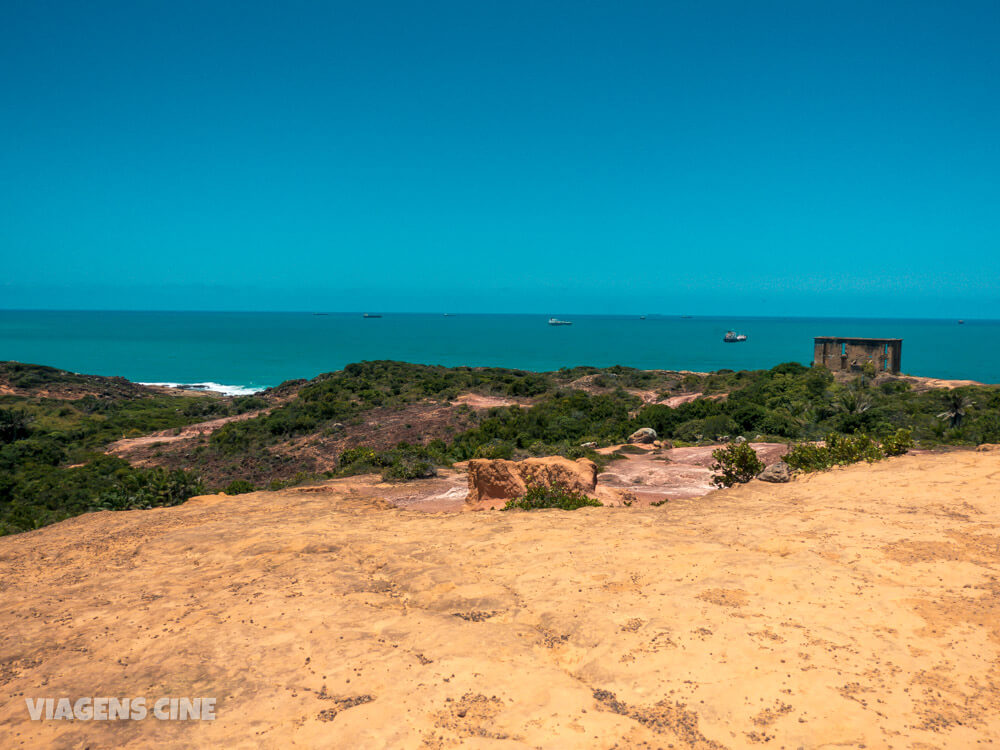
x: 557, y: 322
x: 961, y: 322
x: 372, y: 315
x: 732, y: 337
x: 642, y: 317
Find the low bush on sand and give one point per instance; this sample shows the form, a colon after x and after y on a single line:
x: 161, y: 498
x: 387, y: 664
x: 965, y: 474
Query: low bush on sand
x: 555, y: 495
x: 841, y: 450
x: 735, y: 464
x: 397, y: 464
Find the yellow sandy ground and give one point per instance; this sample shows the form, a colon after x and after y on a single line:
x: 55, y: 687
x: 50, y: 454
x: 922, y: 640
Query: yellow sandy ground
x: 854, y: 608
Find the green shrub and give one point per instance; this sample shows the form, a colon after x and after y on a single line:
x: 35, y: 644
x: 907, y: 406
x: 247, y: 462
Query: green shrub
x: 408, y: 467
x: 898, y: 443
x: 401, y: 463
x: 736, y: 463
x: 495, y: 449
x: 989, y: 429
x: 239, y: 487
x: 719, y: 425
x: 808, y: 457
x: 841, y: 450
x: 778, y: 423
x: 152, y: 488
x: 555, y: 495
x: 691, y: 431
x: 849, y: 449
x: 359, y: 455
x: 14, y: 425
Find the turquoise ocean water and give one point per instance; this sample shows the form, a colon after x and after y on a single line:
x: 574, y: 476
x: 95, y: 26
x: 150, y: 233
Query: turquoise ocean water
x: 255, y: 350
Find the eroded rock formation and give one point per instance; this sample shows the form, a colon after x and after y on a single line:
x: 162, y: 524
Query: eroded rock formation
x: 496, y: 480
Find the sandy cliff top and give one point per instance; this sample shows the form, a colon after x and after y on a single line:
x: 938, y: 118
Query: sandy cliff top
x: 853, y: 607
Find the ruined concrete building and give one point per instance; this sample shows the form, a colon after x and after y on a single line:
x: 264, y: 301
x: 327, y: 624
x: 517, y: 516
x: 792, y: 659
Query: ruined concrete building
x: 851, y: 355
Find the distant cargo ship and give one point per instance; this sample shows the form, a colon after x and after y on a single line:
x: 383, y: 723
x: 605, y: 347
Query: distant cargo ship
x: 371, y: 315
x: 732, y: 337
x: 557, y: 322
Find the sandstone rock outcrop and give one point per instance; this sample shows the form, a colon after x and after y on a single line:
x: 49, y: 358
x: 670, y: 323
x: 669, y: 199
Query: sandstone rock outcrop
x: 497, y: 480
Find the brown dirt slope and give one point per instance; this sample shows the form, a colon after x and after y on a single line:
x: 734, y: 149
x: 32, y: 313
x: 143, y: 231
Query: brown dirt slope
x: 858, y: 607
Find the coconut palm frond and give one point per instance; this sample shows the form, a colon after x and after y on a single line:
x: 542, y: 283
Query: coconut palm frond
x: 957, y: 405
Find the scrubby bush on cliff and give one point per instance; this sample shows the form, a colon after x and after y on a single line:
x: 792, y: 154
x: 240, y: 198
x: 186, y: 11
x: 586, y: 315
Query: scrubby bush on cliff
x: 38, y: 494
x: 239, y: 487
x: 841, y: 450
x: 361, y: 455
x: 494, y: 449
x: 710, y: 428
x: 898, y: 443
x: 14, y: 425
x: 735, y: 464
x: 564, y: 418
x: 401, y: 463
x: 37, y: 487
x: 556, y: 495
x: 152, y: 488
x: 409, y: 465
x: 989, y: 429
x: 808, y: 457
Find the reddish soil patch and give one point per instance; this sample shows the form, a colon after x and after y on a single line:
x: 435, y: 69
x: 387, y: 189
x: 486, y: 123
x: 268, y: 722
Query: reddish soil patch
x: 476, y: 401
x: 131, y: 447
x: 673, y: 474
x: 417, y: 424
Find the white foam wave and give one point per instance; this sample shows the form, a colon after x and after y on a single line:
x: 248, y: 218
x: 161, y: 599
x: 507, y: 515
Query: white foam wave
x: 226, y: 390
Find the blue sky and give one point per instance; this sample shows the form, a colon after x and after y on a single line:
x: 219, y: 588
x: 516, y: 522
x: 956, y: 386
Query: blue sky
x: 813, y: 158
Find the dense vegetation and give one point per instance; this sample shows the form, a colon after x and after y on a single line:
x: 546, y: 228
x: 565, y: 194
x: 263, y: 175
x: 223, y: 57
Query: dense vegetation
x: 53, y: 431
x: 789, y: 403
x: 51, y: 463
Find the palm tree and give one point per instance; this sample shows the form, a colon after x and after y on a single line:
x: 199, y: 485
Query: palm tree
x: 854, y: 402
x: 957, y: 403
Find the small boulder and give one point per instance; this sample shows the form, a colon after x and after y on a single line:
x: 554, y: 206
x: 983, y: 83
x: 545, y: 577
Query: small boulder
x: 987, y: 447
x: 778, y: 473
x: 739, y: 439
x: 591, y: 445
x: 644, y: 435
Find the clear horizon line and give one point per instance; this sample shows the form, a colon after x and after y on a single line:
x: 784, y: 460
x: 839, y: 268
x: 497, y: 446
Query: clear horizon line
x: 444, y: 313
